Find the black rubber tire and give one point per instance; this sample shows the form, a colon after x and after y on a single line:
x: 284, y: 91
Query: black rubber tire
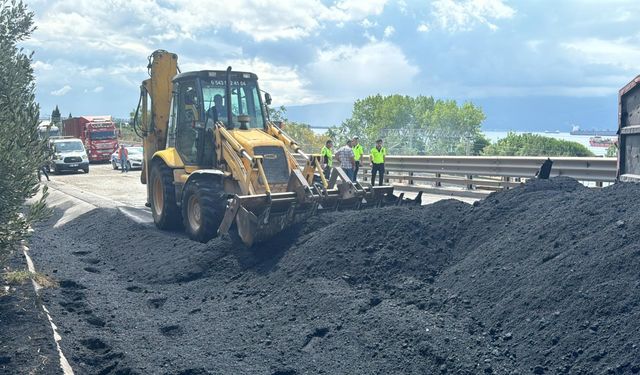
x: 86, y: 170
x: 212, y: 201
x: 168, y: 216
x: 128, y: 165
x: 114, y: 165
x: 54, y: 170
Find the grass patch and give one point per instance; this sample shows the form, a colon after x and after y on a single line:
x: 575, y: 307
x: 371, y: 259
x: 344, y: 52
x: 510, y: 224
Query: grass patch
x: 21, y: 277
x: 17, y: 277
x: 45, y: 281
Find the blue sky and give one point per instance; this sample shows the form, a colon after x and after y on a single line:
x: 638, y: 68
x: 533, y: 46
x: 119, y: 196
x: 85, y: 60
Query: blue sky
x: 90, y: 56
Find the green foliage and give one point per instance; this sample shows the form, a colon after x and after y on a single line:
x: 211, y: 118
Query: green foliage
x: 309, y: 141
x: 612, y: 151
x: 414, y: 125
x: 535, y: 145
x: 21, y: 152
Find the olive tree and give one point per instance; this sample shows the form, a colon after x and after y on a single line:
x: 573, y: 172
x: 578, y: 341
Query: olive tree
x: 21, y: 151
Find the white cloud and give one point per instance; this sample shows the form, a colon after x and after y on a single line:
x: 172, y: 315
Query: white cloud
x: 98, y: 89
x: 618, y: 53
x: 464, y: 15
x: 286, y: 84
x: 368, y: 24
x: 388, y: 31
x: 41, y: 66
x: 349, y: 72
x: 357, y: 9
x: 423, y: 28
x: 62, y: 91
x: 534, y: 45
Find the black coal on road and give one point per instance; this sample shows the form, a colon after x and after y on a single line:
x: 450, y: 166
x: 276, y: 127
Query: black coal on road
x: 541, y: 279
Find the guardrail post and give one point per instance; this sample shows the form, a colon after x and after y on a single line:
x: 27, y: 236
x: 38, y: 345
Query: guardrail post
x: 599, y: 184
x: 438, y: 183
x: 506, y: 179
x: 411, y: 179
x: 470, y: 186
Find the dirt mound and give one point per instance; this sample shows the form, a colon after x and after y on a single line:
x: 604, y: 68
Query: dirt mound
x: 539, y: 279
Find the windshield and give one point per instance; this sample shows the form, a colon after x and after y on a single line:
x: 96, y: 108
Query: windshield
x: 101, y: 135
x: 43, y: 133
x: 245, y: 101
x: 134, y: 150
x: 68, y: 146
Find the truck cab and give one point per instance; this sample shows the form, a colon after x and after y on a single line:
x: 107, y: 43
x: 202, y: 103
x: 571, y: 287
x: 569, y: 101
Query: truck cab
x: 68, y: 154
x: 629, y: 132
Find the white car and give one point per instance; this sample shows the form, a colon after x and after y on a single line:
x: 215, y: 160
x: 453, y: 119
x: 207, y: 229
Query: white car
x: 134, y: 161
x: 68, y: 154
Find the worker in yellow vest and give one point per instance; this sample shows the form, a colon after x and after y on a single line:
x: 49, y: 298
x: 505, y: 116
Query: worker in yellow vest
x: 357, y: 155
x: 327, y: 158
x: 378, y: 154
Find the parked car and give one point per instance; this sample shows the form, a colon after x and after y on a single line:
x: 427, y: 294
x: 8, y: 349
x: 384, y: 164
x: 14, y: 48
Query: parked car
x: 68, y: 154
x: 135, y: 158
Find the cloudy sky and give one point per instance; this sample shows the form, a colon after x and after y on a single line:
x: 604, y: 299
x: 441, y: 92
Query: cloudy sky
x: 91, y: 55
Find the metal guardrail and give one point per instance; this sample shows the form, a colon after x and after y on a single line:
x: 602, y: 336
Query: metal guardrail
x: 475, y: 176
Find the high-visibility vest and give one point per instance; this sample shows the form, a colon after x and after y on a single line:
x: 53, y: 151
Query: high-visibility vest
x: 327, y: 156
x: 377, y: 156
x: 357, y: 152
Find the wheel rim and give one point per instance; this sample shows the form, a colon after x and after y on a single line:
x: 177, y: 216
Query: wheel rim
x: 158, y: 196
x: 193, y: 213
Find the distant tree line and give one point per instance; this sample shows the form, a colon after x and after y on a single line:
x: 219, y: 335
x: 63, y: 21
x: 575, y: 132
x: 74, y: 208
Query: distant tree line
x: 415, y: 125
x: 423, y: 125
x: 535, y: 145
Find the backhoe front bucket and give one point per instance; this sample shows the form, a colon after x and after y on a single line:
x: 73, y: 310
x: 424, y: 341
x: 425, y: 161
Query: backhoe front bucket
x: 260, y: 217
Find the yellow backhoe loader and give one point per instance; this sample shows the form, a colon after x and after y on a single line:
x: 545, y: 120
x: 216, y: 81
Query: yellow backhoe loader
x: 214, y: 163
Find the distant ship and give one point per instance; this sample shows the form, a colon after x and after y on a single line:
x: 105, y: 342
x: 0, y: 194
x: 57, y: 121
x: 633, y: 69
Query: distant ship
x: 598, y: 141
x: 606, y: 133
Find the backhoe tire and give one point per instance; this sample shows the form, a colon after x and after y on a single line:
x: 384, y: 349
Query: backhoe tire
x: 203, y: 207
x: 164, y: 209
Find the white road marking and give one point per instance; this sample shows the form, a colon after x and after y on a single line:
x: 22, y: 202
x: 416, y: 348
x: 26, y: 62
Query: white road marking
x: 64, y: 364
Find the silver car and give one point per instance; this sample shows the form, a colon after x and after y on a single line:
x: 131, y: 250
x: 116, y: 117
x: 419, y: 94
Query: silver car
x: 134, y: 161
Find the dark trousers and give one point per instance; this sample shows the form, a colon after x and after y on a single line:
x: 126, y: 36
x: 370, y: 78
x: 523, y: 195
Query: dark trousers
x: 375, y: 169
x: 355, y: 171
x: 43, y: 170
x: 327, y: 172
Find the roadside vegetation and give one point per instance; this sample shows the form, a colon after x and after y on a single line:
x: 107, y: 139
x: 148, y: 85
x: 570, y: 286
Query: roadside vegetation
x: 612, y: 151
x: 23, y: 276
x: 21, y: 152
x: 418, y: 125
x: 302, y: 133
x: 534, y: 145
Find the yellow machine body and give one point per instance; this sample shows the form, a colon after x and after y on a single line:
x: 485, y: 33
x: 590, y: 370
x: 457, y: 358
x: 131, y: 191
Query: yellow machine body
x: 214, y: 164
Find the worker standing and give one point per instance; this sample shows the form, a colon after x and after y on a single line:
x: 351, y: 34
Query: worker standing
x: 327, y: 158
x: 123, y: 155
x: 344, y: 155
x: 378, y: 154
x: 43, y: 171
x: 357, y: 155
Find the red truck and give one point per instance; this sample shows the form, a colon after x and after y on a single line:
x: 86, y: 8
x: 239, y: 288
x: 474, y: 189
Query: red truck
x: 98, y: 133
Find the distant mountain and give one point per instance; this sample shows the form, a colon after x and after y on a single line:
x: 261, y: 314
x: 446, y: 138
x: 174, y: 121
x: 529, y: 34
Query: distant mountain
x: 549, y: 113
x: 322, y: 115
x: 515, y: 113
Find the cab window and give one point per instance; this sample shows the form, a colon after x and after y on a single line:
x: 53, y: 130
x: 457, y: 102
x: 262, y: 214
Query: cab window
x: 187, y: 118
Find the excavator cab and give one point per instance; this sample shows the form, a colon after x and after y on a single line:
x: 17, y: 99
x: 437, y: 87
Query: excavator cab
x: 214, y: 164
x: 201, y: 101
